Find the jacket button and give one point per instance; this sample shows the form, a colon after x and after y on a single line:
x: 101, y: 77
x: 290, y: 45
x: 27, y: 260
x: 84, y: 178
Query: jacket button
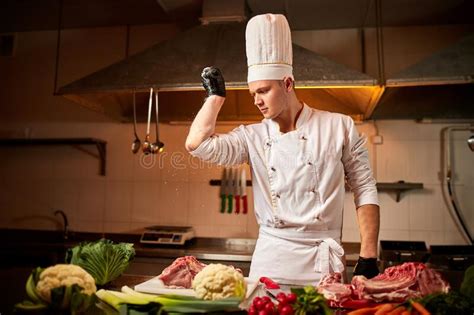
x: 303, y: 138
x: 278, y: 195
x: 273, y: 169
x: 309, y: 163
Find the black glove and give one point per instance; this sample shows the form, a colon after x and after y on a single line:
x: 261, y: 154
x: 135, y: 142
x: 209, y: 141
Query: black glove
x: 366, y: 267
x: 213, y: 81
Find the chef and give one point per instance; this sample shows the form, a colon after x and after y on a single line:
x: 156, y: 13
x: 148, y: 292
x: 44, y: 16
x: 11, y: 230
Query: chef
x: 300, y: 158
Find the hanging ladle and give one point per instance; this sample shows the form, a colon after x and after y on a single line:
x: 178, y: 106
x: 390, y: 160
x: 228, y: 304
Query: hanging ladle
x: 147, y: 144
x: 158, y: 145
x: 136, y: 143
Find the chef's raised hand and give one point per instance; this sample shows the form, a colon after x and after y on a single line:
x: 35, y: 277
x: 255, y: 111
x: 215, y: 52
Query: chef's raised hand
x: 366, y: 267
x: 213, y: 81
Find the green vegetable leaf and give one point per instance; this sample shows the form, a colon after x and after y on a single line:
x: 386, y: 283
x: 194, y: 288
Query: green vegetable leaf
x: 309, y: 301
x: 103, y: 259
x: 467, y: 285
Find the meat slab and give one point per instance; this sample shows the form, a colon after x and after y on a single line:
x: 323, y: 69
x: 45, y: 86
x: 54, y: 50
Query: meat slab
x: 181, y: 272
x: 395, y: 284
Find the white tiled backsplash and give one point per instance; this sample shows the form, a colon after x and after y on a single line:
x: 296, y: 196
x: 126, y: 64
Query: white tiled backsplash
x: 174, y: 188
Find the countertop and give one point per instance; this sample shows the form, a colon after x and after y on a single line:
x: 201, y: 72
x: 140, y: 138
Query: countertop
x: 228, y: 249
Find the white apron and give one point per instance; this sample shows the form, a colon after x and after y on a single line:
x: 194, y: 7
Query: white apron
x: 296, y: 257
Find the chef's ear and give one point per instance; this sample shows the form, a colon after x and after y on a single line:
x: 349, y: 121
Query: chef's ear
x: 289, y: 84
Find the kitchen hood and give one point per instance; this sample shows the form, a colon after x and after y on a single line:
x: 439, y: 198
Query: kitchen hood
x: 439, y: 87
x: 173, y: 68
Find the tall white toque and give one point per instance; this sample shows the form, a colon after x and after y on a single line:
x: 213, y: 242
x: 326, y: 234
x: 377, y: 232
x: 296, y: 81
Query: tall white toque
x: 269, y: 50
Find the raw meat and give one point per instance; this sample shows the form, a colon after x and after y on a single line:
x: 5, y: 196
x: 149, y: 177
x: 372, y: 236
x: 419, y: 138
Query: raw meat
x: 398, y: 283
x: 181, y: 272
x: 334, y: 290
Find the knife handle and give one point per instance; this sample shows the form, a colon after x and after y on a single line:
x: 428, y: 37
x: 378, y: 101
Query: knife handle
x: 244, y: 204
x: 237, y: 204
x: 222, y: 203
x: 230, y: 203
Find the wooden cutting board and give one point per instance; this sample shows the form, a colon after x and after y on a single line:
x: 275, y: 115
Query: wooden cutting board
x: 156, y: 286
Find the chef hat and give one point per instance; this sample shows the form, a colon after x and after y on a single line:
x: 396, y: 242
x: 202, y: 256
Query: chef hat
x: 269, y: 50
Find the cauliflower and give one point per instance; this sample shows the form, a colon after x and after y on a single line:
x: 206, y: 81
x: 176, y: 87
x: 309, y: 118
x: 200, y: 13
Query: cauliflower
x: 64, y: 275
x: 218, y: 281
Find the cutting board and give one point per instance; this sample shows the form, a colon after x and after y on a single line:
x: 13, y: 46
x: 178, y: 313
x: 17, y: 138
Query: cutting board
x: 156, y: 286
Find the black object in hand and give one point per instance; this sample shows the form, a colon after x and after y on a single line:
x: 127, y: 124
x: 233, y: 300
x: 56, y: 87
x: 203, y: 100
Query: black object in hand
x: 366, y: 267
x: 213, y: 81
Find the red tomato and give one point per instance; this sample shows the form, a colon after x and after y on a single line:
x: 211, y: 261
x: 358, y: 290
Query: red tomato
x: 252, y: 310
x: 291, y: 297
x: 281, y: 298
x: 269, y: 308
x: 263, y: 312
x: 257, y: 298
x: 259, y: 304
x: 286, y: 310
x: 266, y: 299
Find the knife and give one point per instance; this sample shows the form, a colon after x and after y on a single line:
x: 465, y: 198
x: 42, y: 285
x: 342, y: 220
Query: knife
x: 230, y: 197
x: 237, y: 189
x: 223, y: 190
x: 243, y: 191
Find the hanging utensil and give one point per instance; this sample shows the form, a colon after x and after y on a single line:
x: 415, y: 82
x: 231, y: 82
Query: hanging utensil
x: 243, y: 191
x: 136, y: 143
x: 147, y: 143
x: 157, y: 146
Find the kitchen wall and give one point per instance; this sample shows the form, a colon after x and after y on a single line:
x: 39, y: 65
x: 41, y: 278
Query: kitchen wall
x: 174, y: 189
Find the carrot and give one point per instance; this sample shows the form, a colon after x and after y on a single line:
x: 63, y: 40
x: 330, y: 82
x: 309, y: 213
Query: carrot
x: 420, y: 308
x: 397, y: 311
x: 406, y: 313
x: 364, y: 311
x: 384, y: 309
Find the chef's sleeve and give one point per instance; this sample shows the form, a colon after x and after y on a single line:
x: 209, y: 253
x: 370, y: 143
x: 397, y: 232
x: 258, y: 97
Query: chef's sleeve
x: 224, y: 149
x: 357, y: 167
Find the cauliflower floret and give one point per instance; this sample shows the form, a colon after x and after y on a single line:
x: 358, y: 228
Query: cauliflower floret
x: 64, y: 275
x: 218, y: 281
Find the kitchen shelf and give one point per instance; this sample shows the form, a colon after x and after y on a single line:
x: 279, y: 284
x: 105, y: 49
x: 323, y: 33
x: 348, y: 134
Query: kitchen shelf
x: 100, y: 144
x: 397, y: 187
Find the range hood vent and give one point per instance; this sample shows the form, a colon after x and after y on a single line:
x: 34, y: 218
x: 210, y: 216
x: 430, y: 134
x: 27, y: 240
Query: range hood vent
x: 439, y: 87
x: 173, y: 67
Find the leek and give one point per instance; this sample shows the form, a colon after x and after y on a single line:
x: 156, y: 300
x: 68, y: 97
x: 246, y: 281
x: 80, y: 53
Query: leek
x: 170, y: 303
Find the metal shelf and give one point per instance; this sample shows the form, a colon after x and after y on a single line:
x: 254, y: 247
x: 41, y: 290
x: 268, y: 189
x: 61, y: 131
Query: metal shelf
x: 100, y: 144
x: 397, y: 187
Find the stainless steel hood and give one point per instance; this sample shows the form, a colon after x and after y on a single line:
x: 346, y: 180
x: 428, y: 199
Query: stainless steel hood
x: 440, y: 86
x: 174, y: 67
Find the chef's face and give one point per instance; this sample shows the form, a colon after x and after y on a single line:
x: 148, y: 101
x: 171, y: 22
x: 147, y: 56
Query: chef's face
x: 270, y: 96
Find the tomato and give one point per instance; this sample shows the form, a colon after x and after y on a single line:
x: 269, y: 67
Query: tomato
x: 252, y: 310
x: 257, y: 298
x: 286, y: 310
x: 263, y: 312
x: 266, y: 299
x: 291, y: 297
x: 282, y: 299
x: 269, y: 308
x: 259, y: 304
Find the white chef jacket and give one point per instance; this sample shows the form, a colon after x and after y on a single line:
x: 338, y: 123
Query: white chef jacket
x: 298, y: 185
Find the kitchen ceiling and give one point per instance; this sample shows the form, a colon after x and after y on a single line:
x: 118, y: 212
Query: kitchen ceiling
x: 33, y: 15
x: 357, y: 97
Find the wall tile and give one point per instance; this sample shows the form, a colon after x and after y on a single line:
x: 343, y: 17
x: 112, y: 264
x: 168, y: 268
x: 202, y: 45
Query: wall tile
x: 117, y: 227
x: 173, y: 203
x: 427, y: 209
x: 145, y: 202
x: 394, y: 215
x: 118, y: 201
x: 92, y: 201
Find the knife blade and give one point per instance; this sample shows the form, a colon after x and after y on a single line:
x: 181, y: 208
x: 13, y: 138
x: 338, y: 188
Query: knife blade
x: 230, y: 197
x: 243, y: 191
x: 223, y: 189
x: 237, y: 191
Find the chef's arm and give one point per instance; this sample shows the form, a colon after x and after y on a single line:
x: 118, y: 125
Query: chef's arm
x: 369, y: 221
x: 204, y: 123
x: 368, y: 217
